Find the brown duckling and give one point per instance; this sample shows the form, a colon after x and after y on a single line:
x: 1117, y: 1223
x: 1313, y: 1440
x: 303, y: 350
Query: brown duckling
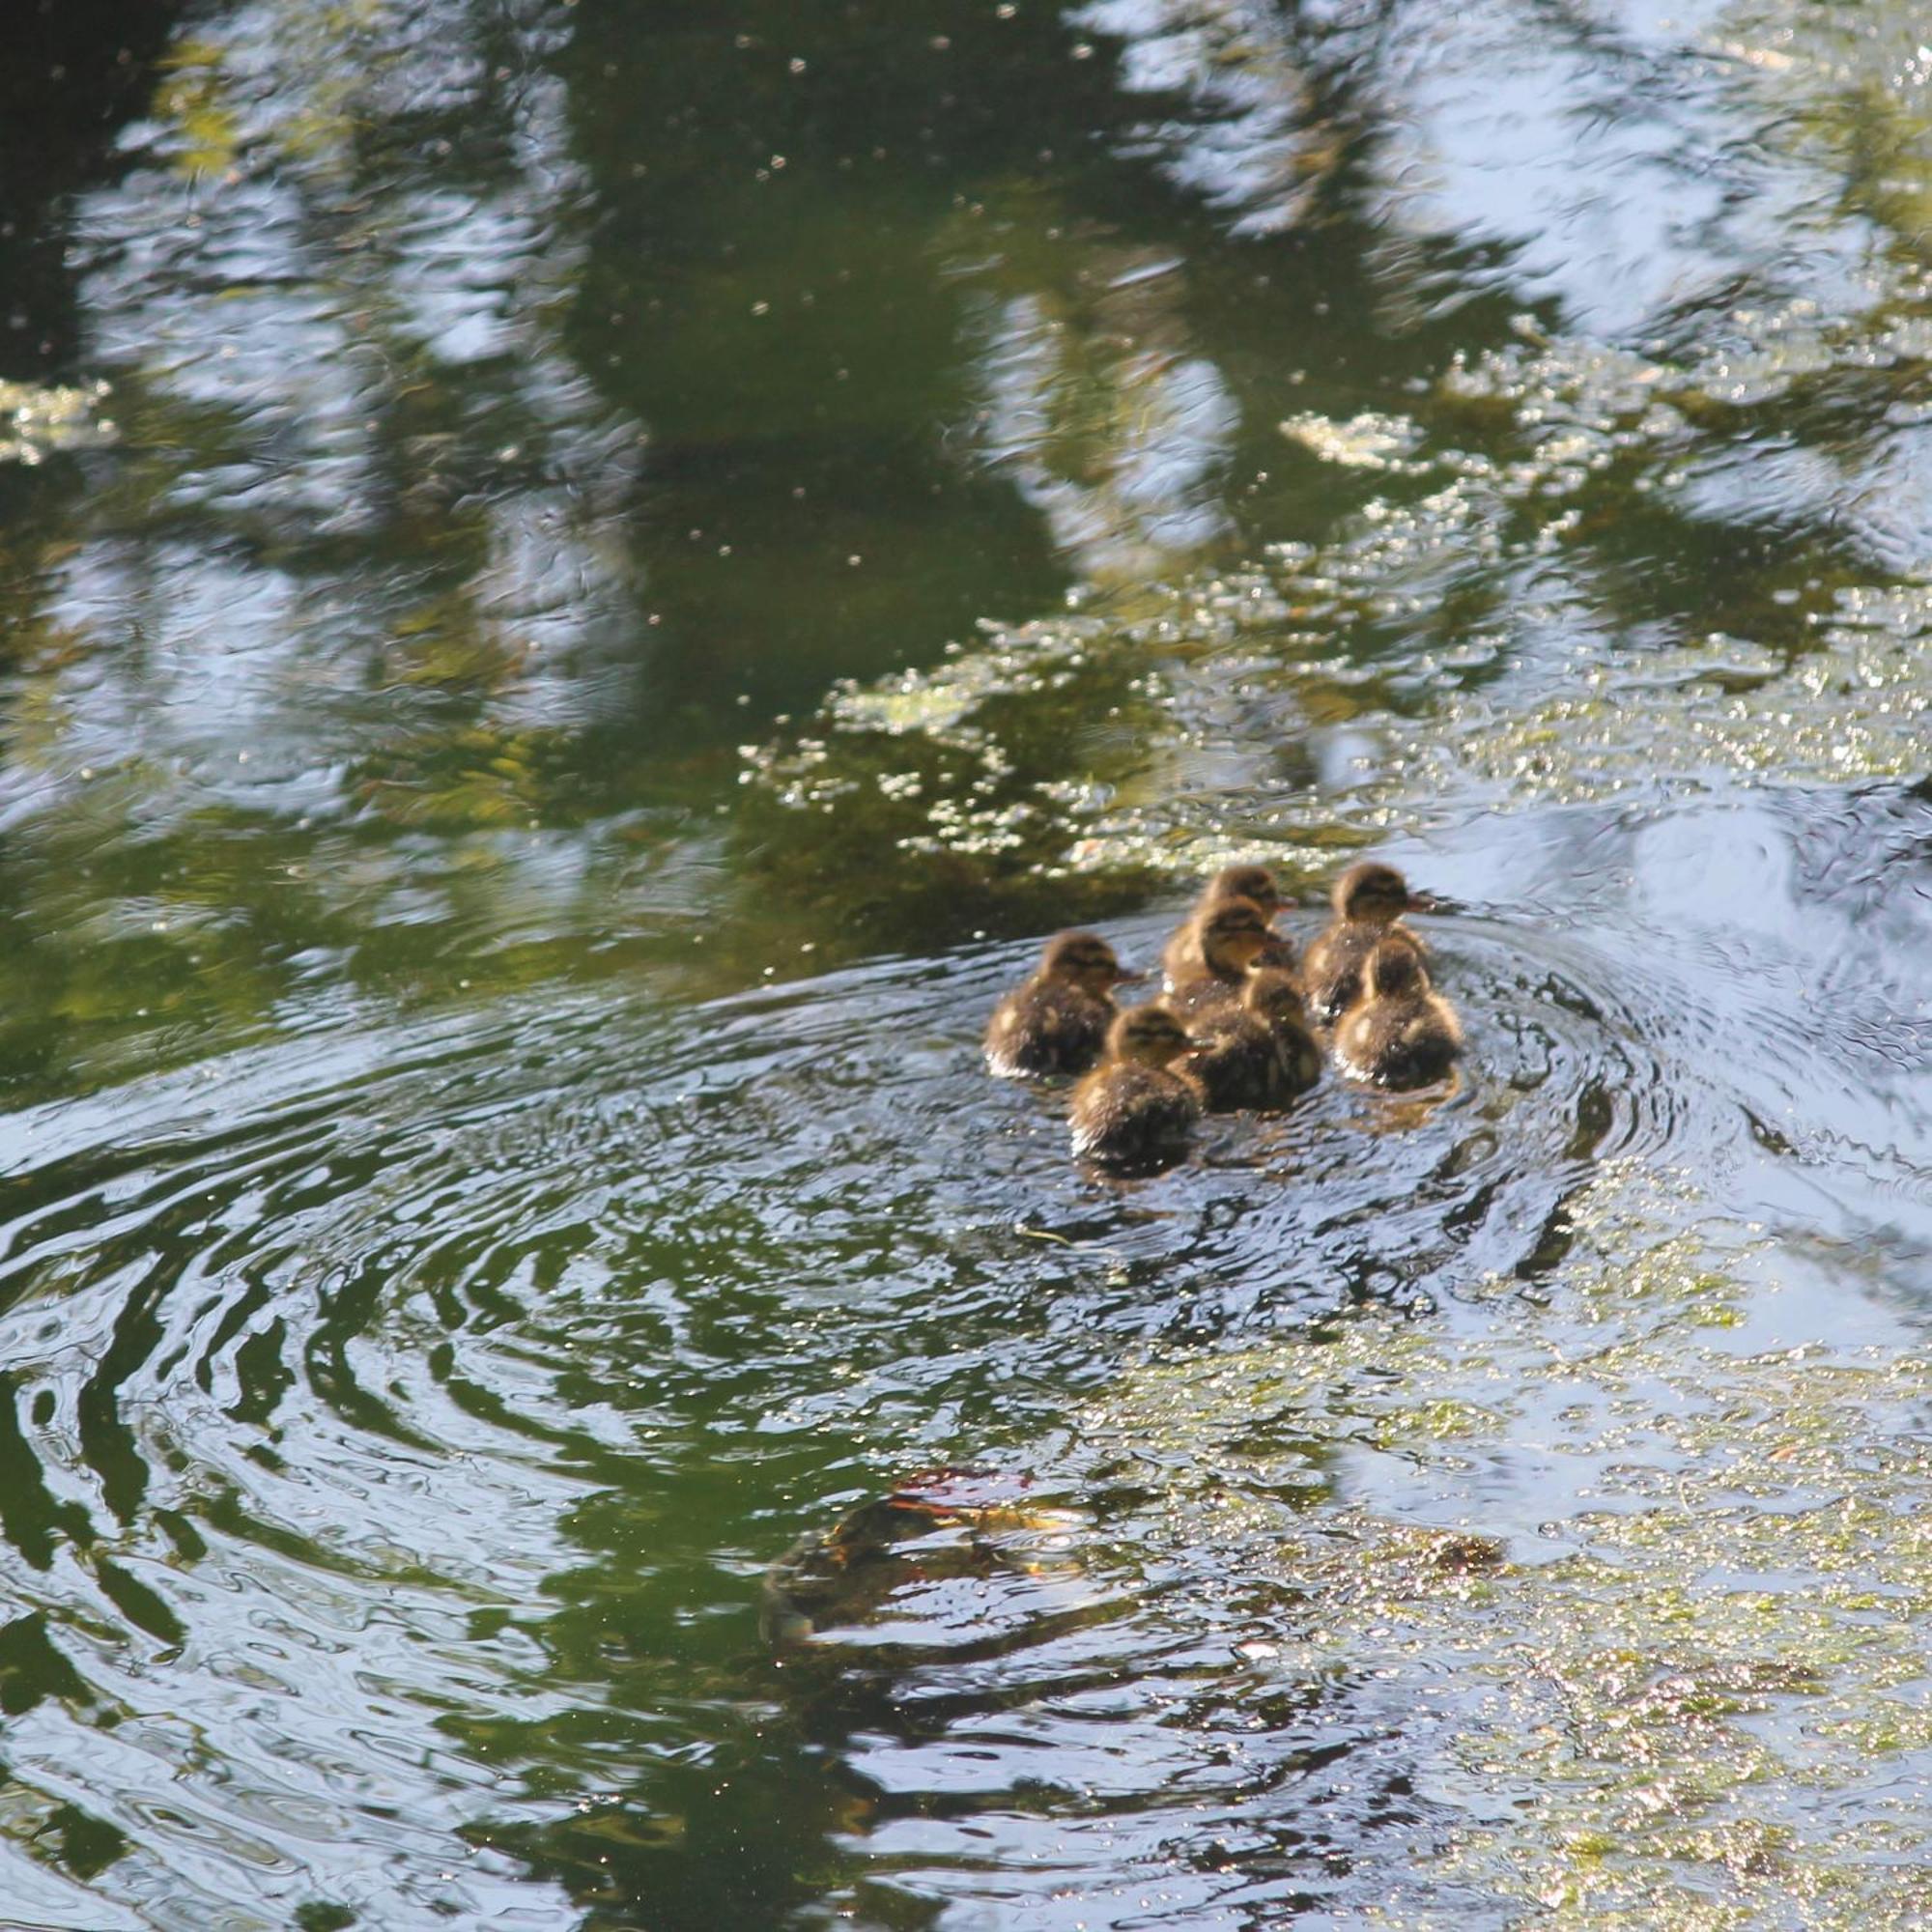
x: 1368, y: 899
x: 1258, y: 1054
x: 1133, y: 1110
x: 1274, y: 997
x: 1182, y: 959
x: 1230, y: 938
x: 1057, y: 1022
x: 1398, y: 1033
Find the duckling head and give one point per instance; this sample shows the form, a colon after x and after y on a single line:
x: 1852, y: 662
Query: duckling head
x: 1154, y: 1036
x: 1274, y: 997
x: 1372, y: 891
x: 1232, y: 935
x: 1394, y: 970
x: 1244, y: 882
x: 1085, y: 959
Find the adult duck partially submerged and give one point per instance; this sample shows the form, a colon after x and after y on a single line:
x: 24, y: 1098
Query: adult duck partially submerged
x: 1182, y: 959
x: 1399, y: 1033
x: 1229, y: 938
x: 1368, y: 899
x: 1134, y: 1110
x: 1056, y: 1021
x: 1259, y: 1053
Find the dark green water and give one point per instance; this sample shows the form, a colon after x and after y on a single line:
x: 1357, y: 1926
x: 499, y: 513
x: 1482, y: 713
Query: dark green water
x: 629, y: 562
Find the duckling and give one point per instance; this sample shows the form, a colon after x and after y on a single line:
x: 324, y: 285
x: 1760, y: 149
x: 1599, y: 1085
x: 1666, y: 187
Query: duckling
x: 1057, y: 1022
x: 1133, y: 1110
x: 1229, y: 938
x: 1368, y: 899
x: 1182, y: 958
x: 1258, y: 1054
x: 1274, y: 997
x: 1398, y: 1033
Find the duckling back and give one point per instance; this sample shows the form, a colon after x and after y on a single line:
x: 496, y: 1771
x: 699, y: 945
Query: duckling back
x: 1047, y: 1026
x: 1332, y: 966
x: 1274, y: 995
x: 1258, y: 1054
x: 1201, y: 994
x: 1237, y: 1062
x: 1401, y: 1044
x: 1400, y: 1033
x: 1057, y: 1022
x: 1126, y: 1115
x: 1133, y: 1110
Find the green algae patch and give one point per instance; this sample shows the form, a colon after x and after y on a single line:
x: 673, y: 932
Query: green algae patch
x: 1669, y: 1593
x: 36, y: 421
x: 1537, y: 586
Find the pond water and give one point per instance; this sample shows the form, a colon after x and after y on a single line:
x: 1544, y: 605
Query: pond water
x: 580, y: 584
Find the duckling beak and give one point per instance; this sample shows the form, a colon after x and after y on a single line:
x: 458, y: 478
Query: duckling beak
x: 1429, y: 902
x: 1122, y: 977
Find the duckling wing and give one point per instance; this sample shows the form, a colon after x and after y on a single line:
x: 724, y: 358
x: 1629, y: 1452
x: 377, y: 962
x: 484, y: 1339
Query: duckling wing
x: 1237, y: 1063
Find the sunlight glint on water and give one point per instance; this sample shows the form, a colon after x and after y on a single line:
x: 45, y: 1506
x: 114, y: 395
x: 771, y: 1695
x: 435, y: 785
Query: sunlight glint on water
x: 502, y: 1202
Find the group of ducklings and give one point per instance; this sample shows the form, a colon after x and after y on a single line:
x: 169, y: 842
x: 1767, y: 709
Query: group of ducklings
x: 1236, y: 1023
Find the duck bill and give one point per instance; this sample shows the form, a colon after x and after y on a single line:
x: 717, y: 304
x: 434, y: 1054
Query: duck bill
x: 1123, y: 977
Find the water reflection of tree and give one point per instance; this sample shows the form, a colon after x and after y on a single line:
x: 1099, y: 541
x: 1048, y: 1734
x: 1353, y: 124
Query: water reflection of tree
x: 307, y: 678
x: 391, y: 315
x: 1771, y: 475
x: 389, y: 318
x: 72, y: 75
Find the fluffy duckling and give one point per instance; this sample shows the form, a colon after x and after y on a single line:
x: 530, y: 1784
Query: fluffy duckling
x: 1258, y: 1054
x: 1368, y: 899
x: 1230, y: 938
x: 1274, y: 997
x: 1398, y: 1033
x: 1057, y: 1022
x: 1182, y: 959
x: 1133, y: 1110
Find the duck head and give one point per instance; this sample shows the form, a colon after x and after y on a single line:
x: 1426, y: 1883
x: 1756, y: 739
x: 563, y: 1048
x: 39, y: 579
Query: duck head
x: 1232, y: 935
x: 1153, y: 1035
x: 1394, y: 970
x: 1274, y: 998
x: 1244, y: 882
x: 1373, y: 892
x: 1084, y: 959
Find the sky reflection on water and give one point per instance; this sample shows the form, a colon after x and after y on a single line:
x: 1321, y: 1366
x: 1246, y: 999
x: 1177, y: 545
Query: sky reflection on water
x: 630, y: 562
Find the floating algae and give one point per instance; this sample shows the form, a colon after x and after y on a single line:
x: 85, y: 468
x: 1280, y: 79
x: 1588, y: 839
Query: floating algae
x: 1367, y: 441
x: 1485, y: 633
x: 35, y: 422
x: 1679, y: 1674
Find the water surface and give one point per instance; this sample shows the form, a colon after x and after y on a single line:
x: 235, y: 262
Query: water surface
x: 581, y: 587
